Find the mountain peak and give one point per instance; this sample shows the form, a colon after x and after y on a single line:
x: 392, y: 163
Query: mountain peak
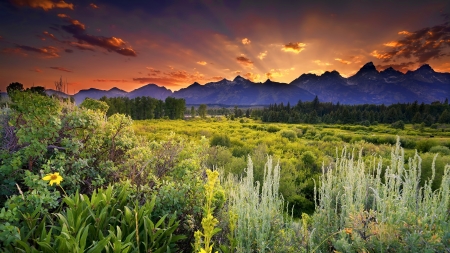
x: 368, y: 67
x: 425, y: 67
x: 238, y: 78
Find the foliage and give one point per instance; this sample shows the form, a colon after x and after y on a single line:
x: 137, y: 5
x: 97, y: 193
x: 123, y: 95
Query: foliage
x: 258, y: 211
x: 202, y: 111
x: 104, y: 221
x: 93, y: 104
x: 316, y: 112
x: 360, y: 210
x: 220, y: 140
x: 213, y: 193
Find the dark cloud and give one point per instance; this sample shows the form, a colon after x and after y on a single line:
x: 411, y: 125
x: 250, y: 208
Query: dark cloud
x: 46, y: 52
x: 424, y: 44
x: 44, y: 4
x: 68, y: 51
x: 294, y: 47
x: 78, y: 31
x: 403, y: 67
x: 244, y: 61
x: 110, y: 80
x: 93, y: 6
x: 61, y: 69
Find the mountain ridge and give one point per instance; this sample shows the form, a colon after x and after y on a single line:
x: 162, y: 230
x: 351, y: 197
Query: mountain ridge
x: 366, y: 86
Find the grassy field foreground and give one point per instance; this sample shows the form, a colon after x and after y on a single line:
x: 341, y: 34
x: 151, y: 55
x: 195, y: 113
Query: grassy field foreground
x: 75, y: 180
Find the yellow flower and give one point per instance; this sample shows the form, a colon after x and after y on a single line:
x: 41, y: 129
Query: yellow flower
x: 54, y: 178
x: 348, y: 231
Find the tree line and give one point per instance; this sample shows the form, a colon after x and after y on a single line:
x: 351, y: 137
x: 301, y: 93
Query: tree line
x: 318, y: 112
x: 141, y: 108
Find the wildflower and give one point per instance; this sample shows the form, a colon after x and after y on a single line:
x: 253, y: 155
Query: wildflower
x: 53, y: 178
x: 348, y: 231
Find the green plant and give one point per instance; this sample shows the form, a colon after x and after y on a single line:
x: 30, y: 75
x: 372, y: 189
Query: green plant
x: 213, y: 192
x: 104, y: 221
x: 363, y: 208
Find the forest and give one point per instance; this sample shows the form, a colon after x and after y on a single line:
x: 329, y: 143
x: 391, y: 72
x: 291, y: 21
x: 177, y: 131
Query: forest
x: 139, y: 175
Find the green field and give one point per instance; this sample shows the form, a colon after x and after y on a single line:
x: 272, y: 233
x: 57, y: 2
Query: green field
x: 76, y: 180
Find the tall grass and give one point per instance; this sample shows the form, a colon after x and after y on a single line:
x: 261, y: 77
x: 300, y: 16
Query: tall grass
x: 258, y: 209
x: 364, y: 207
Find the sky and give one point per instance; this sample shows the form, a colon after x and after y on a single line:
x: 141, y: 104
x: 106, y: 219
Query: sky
x: 174, y: 43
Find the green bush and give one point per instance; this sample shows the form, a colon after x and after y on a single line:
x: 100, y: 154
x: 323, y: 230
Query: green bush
x: 289, y: 134
x: 220, y: 140
x: 425, y: 145
x: 272, y: 129
x: 443, y: 150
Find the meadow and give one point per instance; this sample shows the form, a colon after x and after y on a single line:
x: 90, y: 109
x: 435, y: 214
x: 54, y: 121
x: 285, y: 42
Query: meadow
x: 75, y: 179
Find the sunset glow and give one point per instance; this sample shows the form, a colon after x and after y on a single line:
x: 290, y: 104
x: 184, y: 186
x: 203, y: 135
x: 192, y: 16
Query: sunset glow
x: 105, y: 44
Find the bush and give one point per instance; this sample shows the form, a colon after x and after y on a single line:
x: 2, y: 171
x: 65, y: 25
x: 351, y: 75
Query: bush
x: 220, y: 140
x: 425, y: 145
x: 398, y: 125
x: 272, y: 129
x: 443, y: 150
x: 289, y: 134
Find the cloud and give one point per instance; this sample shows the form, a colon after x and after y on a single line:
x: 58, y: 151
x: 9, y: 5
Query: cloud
x: 246, y: 41
x: 68, y: 50
x: 36, y: 69
x: 403, y: 67
x: 252, y: 76
x: 174, y: 77
x: 45, y: 52
x: 61, y: 69
x: 202, y: 63
x: 49, y: 35
x: 342, y: 61
x: 262, y: 55
x: 110, y: 80
x: 424, y: 44
x: 316, y: 71
x: 294, y: 47
x: 77, y: 29
x: 275, y: 73
x: 93, y: 6
x: 320, y: 63
x: 62, y: 15
x: 44, y: 4
x: 244, y: 61
x: 81, y: 46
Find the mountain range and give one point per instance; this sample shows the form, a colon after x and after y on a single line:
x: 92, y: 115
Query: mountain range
x: 367, y: 86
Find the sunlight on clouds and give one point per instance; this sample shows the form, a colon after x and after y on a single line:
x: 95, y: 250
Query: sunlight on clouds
x: 404, y: 33
x: 252, y: 76
x: 393, y: 44
x: 342, y: 61
x: 246, y: 41
x: 379, y: 55
x: 262, y: 55
x: 294, y: 47
x: 44, y: 4
x: 320, y: 63
x: 203, y: 63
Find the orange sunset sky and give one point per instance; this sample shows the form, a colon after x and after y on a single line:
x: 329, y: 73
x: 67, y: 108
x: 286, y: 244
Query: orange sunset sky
x: 127, y: 44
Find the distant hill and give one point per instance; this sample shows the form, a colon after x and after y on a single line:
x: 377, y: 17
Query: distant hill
x: 367, y: 86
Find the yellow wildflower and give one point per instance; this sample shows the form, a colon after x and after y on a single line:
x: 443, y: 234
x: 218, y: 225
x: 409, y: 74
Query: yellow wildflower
x: 348, y: 231
x: 54, y: 178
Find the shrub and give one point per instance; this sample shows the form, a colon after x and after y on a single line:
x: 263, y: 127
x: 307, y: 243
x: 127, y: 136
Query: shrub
x: 289, y: 134
x: 220, y: 140
x: 443, y: 150
x: 425, y: 145
x: 272, y: 129
x: 359, y: 211
x: 398, y: 125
